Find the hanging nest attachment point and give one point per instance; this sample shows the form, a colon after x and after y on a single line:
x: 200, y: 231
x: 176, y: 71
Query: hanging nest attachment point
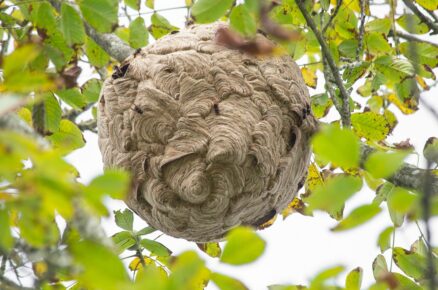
x: 214, y: 138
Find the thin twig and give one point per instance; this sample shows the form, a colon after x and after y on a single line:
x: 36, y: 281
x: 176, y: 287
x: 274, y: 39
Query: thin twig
x: 430, y: 108
x: 423, y: 237
x: 426, y: 210
x: 411, y: 37
x: 155, y: 11
x: 392, y: 248
x: 335, y: 12
x: 433, y: 15
x: 345, y: 112
x: 392, y: 4
x: 361, y: 29
x: 426, y: 20
x: 90, y: 125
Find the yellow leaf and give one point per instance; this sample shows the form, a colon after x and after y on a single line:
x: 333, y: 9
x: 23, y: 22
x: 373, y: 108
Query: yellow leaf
x: 314, y: 179
x: 40, y: 269
x: 296, y: 205
x: 136, y: 263
x: 309, y: 77
x: 422, y: 83
x: 405, y: 107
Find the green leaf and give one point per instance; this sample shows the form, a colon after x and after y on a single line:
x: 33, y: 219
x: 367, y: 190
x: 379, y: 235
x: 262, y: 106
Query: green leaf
x: 405, y: 283
x: 400, y: 201
x: 124, y: 219
x: 321, y: 105
x: 348, y: 48
x: 384, y: 239
x: 68, y: 138
x: 242, y: 21
x: 205, y: 11
x: 339, y: 146
x: 357, y: 217
x: 101, y: 14
x: 150, y: 4
x: 420, y: 52
x: 412, y: 264
x: 428, y: 4
x: 43, y: 17
x: 384, y: 164
x: 6, y: 240
x: 382, y: 25
x: 73, y: 97
x: 71, y: 25
x: 243, y: 246
x: 98, y: 261
x: 376, y: 43
x: 430, y: 150
x: 123, y: 240
x: 96, y: 55
x: 145, y: 231
x: 57, y: 50
x: 138, y: 34
x: 46, y: 116
x: 113, y: 182
x: 155, y: 248
x: 224, y: 282
x: 380, y: 268
x: 352, y: 74
x: 91, y: 90
x: 420, y: 247
x: 331, y: 196
x: 134, y: 4
x: 394, y: 69
x: 320, y: 279
x: 354, y: 279
x: 188, y: 272
x: 17, y: 75
x: 160, y: 26
x: 287, y: 287
x: 412, y: 24
x: 213, y: 249
x: 370, y: 125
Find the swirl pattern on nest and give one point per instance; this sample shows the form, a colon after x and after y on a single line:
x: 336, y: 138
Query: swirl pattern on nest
x: 214, y: 138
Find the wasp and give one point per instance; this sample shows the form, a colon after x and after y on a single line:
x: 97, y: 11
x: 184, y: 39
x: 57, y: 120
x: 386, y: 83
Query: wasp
x: 216, y: 108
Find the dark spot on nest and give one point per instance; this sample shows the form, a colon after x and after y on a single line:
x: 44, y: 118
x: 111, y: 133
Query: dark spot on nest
x: 137, y: 52
x: 120, y: 72
x: 304, y: 111
x: 265, y: 218
x: 216, y: 108
x: 292, y: 140
x: 136, y: 109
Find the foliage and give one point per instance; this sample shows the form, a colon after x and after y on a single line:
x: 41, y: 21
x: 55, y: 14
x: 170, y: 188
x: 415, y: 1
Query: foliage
x: 370, y: 65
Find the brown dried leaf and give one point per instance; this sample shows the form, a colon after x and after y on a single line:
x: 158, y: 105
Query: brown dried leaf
x: 258, y: 46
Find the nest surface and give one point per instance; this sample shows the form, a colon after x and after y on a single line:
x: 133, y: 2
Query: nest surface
x: 213, y: 137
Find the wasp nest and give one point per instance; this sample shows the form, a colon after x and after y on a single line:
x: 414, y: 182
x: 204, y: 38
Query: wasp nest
x: 213, y: 137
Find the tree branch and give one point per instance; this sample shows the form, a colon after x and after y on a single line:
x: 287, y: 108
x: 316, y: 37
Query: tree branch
x: 345, y: 113
x: 407, y: 176
x: 112, y: 44
x: 411, y: 37
x: 426, y: 20
x: 14, y: 123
